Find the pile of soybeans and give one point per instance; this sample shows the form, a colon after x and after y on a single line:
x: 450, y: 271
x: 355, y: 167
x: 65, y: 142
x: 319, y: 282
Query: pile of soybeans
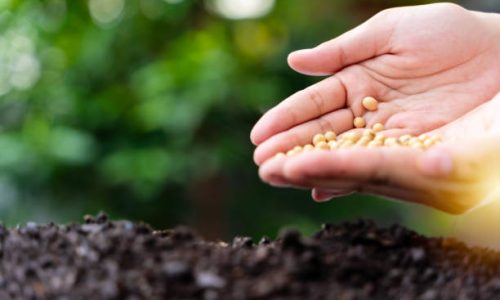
x: 369, y: 138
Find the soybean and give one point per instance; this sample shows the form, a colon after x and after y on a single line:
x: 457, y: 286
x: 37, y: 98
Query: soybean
x: 377, y: 127
x: 369, y: 138
x: 318, y: 138
x: 323, y: 145
x: 370, y: 103
x: 308, y: 147
x: 359, y: 122
x: 330, y: 136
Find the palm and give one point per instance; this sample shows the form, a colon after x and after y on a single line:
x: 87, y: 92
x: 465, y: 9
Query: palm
x: 418, y: 104
x: 434, y: 69
x: 472, y: 141
x: 423, y: 82
x: 481, y: 123
x: 422, y: 87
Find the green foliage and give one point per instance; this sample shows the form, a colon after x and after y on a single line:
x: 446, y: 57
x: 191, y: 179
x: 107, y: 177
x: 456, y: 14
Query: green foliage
x: 147, y: 116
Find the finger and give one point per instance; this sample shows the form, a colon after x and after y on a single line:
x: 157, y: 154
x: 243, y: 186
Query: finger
x: 399, y: 173
x: 436, y: 163
x: 323, y: 195
x: 467, y: 160
x: 391, y: 167
x: 365, y: 173
x: 321, y: 98
x: 337, y: 121
x: 271, y: 172
x: 401, y: 167
x: 473, y: 166
x: 401, y: 194
x: 358, y: 85
x: 366, y: 41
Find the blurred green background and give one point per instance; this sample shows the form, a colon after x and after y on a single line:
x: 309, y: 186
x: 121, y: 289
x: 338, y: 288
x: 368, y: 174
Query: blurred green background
x: 143, y: 109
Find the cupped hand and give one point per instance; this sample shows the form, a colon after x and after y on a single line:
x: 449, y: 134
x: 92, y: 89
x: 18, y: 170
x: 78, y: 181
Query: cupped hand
x: 427, y: 65
x: 454, y: 176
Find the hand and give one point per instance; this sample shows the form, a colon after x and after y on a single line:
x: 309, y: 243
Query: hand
x: 453, y: 176
x: 428, y: 65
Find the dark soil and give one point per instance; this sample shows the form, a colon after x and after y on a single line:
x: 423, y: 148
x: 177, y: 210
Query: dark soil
x: 121, y: 260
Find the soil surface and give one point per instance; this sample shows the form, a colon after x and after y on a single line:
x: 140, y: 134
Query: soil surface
x: 122, y: 260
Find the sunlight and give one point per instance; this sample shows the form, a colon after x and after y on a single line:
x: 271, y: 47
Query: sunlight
x: 479, y: 225
x: 241, y: 9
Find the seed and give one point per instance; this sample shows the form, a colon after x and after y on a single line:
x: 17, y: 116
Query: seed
x: 377, y: 127
x: 333, y: 145
x: 346, y: 144
x: 330, y: 136
x: 318, y: 138
x: 367, y: 138
x: 280, y: 154
x: 423, y: 137
x: 416, y: 145
x: 391, y: 141
x: 322, y: 145
x: 363, y: 141
x: 370, y: 103
x: 405, y: 138
x: 353, y: 136
x: 413, y: 140
x: 369, y: 133
x: 308, y: 147
x: 379, y: 137
x: 359, y: 122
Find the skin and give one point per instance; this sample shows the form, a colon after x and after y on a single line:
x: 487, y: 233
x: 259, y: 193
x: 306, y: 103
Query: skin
x: 453, y: 176
x: 435, y: 69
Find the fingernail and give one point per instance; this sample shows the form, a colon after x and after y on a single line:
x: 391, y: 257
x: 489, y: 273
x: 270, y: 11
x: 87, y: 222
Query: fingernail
x: 323, y: 198
x: 436, y: 163
x: 322, y: 195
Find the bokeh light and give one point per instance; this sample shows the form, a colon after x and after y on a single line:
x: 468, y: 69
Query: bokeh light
x: 241, y: 9
x: 173, y: 1
x: 19, y: 65
x: 106, y: 12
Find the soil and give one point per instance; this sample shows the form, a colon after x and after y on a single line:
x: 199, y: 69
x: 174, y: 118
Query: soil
x: 101, y: 259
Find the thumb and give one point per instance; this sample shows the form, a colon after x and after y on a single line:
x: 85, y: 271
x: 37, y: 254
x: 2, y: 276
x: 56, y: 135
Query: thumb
x: 463, y: 159
x: 473, y: 165
x: 366, y: 41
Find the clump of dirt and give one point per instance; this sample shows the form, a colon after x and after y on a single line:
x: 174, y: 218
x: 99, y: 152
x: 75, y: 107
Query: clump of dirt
x: 101, y: 259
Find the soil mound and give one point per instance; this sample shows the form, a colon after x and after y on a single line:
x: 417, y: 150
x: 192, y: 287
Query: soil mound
x: 101, y: 259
